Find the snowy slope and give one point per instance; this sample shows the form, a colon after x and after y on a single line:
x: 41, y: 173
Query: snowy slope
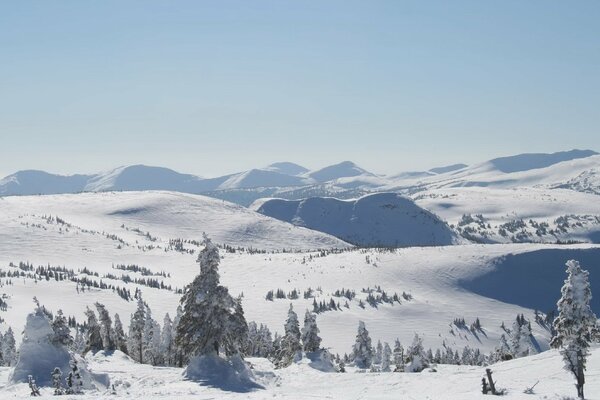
x: 300, y: 382
x: 571, y: 215
x: 382, y: 219
x: 444, y: 283
x: 527, y: 171
x: 344, y: 169
x: 166, y: 215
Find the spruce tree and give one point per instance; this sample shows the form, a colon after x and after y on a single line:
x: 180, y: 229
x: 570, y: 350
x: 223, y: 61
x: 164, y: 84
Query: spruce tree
x: 167, y: 339
x: 106, y: 330
x: 386, y: 358
x: 135, y: 344
x: 576, y: 325
x: 62, y: 332
x: 9, y: 349
x: 362, y: 353
x: 310, y: 333
x: 119, y: 335
x: 94, y: 337
x: 290, y: 342
x: 212, y: 321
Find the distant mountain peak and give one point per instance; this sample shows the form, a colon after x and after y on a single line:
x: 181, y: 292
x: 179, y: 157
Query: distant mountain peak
x: 344, y: 169
x: 287, y: 168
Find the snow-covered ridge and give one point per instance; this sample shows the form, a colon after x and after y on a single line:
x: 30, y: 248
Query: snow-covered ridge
x: 382, y: 219
x: 167, y: 215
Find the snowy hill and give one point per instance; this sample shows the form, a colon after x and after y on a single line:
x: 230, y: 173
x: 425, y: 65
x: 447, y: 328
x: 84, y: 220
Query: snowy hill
x: 492, y: 215
x: 287, y: 168
x: 344, y: 169
x: 169, y: 215
x: 383, y: 219
x: 527, y: 170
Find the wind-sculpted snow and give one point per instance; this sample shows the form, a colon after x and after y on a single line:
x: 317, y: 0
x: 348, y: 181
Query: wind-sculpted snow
x: 533, y: 280
x: 383, y: 219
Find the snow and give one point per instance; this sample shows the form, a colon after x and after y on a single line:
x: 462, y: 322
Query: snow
x: 300, y: 381
x: 382, y: 219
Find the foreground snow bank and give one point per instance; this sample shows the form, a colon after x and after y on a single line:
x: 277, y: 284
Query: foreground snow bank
x: 232, y: 375
x: 38, y: 356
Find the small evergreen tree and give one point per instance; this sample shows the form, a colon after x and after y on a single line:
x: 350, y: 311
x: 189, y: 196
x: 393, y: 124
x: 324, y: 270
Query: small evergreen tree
x: 62, y: 332
x: 310, y: 333
x: 57, y: 382
x: 167, y: 339
x: 363, y: 351
x: 576, y: 324
x: 94, y: 338
x: 135, y: 344
x: 106, y: 330
x: 398, y: 356
x: 415, y: 354
x: 386, y: 358
x: 290, y: 342
x: 119, y: 335
x: 9, y: 349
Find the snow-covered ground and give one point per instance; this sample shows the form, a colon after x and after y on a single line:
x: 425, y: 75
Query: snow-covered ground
x: 98, y: 231
x: 300, y: 381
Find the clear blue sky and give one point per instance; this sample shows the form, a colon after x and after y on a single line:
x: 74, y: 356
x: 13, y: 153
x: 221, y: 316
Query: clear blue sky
x: 212, y: 87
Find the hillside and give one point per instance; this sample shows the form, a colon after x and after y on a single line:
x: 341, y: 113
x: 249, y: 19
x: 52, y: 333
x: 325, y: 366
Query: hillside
x: 383, y: 219
x: 167, y: 215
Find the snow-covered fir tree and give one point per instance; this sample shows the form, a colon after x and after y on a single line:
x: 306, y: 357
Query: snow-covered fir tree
x: 119, y: 335
x: 289, y: 346
x: 503, y: 352
x: 151, y: 340
x: 362, y: 353
x: 576, y: 324
x: 135, y: 344
x: 178, y: 357
x: 212, y: 321
x: 106, y: 330
x: 8, y: 347
x: 93, y: 337
x: 415, y: 356
x: 378, y: 353
x: 57, y: 382
x: 74, y: 379
x: 62, y: 332
x: 386, y: 358
x: 522, y: 338
x: 167, y: 340
x: 398, y: 355
x: 310, y: 333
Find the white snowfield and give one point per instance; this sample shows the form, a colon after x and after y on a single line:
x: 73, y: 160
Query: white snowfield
x: 300, y: 381
x: 97, y: 231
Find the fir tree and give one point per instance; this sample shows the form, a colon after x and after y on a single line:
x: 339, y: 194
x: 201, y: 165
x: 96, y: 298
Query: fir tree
x: 310, y: 333
x: 94, y: 338
x: 212, y: 321
x: 57, y: 382
x: 415, y: 356
x: 167, y: 341
x: 290, y: 342
x: 135, y: 344
x: 386, y: 358
x: 119, y: 335
x: 106, y: 330
x: 9, y: 350
x: 363, y: 351
x: 398, y: 356
x: 576, y: 323
x: 62, y: 332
